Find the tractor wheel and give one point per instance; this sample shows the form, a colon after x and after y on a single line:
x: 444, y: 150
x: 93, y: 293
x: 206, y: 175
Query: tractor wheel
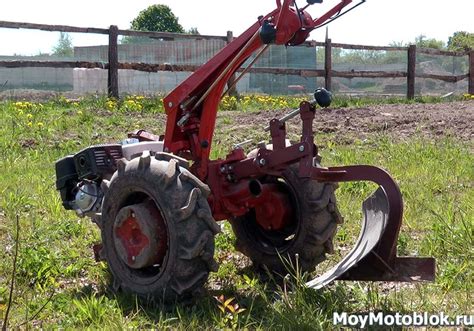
x: 157, y: 229
x: 305, y: 239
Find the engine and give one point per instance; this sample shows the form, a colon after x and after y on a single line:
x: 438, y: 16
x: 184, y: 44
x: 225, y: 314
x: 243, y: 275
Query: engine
x: 79, y: 177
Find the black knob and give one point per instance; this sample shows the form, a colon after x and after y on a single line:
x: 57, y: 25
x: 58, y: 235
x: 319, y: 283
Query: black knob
x: 323, y: 97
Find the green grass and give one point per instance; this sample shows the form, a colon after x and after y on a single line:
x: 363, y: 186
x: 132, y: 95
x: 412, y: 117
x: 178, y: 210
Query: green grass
x: 58, y: 284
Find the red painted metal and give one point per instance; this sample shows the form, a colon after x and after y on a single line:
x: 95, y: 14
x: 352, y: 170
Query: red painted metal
x: 388, y: 244
x: 234, y: 182
x: 132, y: 238
x: 274, y: 210
x: 287, y: 23
x: 183, y: 104
x: 382, y: 262
x: 177, y: 138
x: 232, y: 199
x: 140, y: 235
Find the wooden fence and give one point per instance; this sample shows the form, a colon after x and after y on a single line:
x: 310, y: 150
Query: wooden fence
x: 328, y: 73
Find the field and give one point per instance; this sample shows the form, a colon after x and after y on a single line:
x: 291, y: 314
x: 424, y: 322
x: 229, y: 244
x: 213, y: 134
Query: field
x: 426, y: 145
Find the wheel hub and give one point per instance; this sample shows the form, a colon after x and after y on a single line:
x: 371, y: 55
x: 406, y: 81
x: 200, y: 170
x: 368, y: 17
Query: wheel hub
x: 274, y: 212
x: 140, y: 235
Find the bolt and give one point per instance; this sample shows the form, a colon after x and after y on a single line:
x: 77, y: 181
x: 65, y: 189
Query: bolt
x: 170, y: 104
x: 134, y: 258
x: 231, y: 168
x: 301, y: 148
x: 222, y: 169
x: 204, y: 144
x: 132, y: 214
x: 262, y: 162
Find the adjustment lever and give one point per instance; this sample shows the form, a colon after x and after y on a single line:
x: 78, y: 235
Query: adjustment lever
x: 322, y: 97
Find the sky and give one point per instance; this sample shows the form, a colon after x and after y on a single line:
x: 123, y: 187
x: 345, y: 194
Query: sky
x: 377, y: 22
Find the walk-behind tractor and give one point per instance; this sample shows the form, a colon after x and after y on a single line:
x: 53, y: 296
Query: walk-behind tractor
x: 157, y: 199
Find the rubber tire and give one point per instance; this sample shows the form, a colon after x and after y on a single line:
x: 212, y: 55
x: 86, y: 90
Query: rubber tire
x: 315, y: 223
x: 182, y: 200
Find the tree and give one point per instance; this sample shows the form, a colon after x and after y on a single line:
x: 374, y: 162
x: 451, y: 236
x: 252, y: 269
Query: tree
x: 192, y: 31
x: 422, y: 41
x: 64, y: 46
x: 158, y: 18
x: 461, y: 41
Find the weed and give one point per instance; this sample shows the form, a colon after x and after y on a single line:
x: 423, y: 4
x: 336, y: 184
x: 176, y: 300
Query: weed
x: 435, y: 176
x: 92, y: 310
x: 231, y: 312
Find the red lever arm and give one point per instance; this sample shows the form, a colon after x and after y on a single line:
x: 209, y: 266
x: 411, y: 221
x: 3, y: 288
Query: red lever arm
x: 192, y: 106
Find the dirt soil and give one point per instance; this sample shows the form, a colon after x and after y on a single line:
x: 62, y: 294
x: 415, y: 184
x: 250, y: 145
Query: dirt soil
x: 400, y: 121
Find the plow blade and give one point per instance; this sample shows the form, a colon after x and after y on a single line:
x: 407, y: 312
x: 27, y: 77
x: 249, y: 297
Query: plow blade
x: 363, y: 262
x: 375, y: 210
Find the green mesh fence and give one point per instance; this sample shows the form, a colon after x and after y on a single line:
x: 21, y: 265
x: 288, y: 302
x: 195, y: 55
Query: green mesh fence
x: 93, y: 48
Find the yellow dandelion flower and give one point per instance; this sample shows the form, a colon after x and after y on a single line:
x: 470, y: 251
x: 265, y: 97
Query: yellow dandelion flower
x: 111, y: 105
x: 40, y: 124
x: 79, y: 112
x: 29, y: 116
x: 30, y: 124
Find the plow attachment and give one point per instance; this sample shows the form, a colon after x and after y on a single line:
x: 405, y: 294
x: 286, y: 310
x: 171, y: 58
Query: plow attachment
x: 374, y: 258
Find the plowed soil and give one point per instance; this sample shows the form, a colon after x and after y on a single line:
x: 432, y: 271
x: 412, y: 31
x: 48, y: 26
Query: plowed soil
x: 400, y: 121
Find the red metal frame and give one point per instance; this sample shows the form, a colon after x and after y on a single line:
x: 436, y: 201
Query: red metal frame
x: 192, y: 106
x: 234, y: 182
x: 382, y: 263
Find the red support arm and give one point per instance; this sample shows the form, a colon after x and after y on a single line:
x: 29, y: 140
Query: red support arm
x: 192, y: 106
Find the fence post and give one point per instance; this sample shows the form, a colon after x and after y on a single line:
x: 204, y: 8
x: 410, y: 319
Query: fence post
x: 471, y: 72
x: 328, y: 64
x: 233, y: 90
x: 411, y: 72
x: 112, y: 81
